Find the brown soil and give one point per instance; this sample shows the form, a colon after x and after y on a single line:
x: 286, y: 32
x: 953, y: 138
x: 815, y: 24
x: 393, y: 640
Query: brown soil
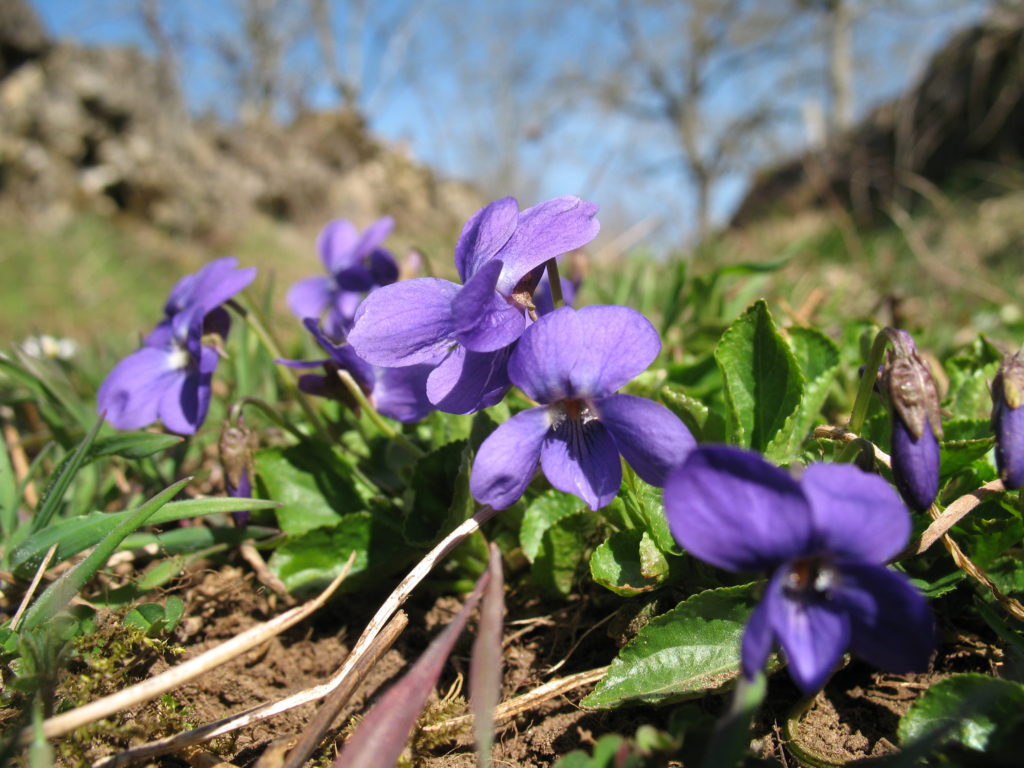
x: 855, y: 717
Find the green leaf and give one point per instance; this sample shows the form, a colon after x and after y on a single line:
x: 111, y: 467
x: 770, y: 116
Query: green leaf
x: 563, y: 548
x: 818, y: 358
x: 629, y: 563
x: 133, y: 445
x: 691, y: 650
x: 643, y: 505
x: 308, y: 563
x: 763, y: 383
x: 974, y: 708
x: 545, y: 511
x: 60, y: 592
x: 954, y: 455
x: 967, y: 429
x: 79, y: 533
x: 9, y: 496
x: 314, y: 486
x: 436, y: 486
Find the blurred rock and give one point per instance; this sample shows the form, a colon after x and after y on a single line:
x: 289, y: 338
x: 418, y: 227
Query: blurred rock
x: 965, y: 114
x: 101, y: 129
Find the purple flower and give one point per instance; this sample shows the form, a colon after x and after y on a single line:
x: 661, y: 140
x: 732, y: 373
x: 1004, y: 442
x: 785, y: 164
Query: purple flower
x: 825, y: 539
x: 398, y: 393
x: 356, y: 264
x: 1008, y: 420
x: 908, y: 386
x: 571, y: 362
x: 169, y: 377
x: 465, y: 332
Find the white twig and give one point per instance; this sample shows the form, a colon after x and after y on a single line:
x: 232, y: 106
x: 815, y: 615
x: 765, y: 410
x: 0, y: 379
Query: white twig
x: 33, y: 586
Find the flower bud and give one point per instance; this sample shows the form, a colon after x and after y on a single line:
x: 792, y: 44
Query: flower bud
x: 1008, y: 420
x: 909, y: 388
x: 237, y: 445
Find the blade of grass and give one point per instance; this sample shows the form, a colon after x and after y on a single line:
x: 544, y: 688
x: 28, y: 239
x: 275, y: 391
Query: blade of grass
x: 9, y: 495
x: 60, y: 592
x: 485, y: 664
x: 61, y: 480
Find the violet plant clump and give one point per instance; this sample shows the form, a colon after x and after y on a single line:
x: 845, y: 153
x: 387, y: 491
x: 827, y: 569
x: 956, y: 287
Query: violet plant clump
x: 355, y: 264
x: 825, y: 540
x: 169, y: 378
x: 909, y: 388
x: 465, y: 332
x: 398, y: 393
x: 572, y: 362
x: 1008, y: 420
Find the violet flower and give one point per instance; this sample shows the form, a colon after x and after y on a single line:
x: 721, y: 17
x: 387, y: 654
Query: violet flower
x: 355, y: 263
x: 169, y: 377
x: 825, y: 539
x: 909, y: 388
x: 571, y: 362
x: 398, y: 393
x: 1008, y: 420
x: 465, y: 332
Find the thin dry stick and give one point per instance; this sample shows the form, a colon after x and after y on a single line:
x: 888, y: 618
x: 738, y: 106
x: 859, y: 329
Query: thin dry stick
x: 313, y: 733
x: 950, y: 516
x: 528, y: 700
x: 266, y: 577
x: 378, y: 648
x: 363, y: 645
x: 189, y: 670
x: 964, y: 563
x: 828, y: 432
x: 33, y: 586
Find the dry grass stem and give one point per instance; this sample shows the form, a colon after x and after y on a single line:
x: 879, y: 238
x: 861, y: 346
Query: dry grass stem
x: 950, y: 516
x: 33, y: 586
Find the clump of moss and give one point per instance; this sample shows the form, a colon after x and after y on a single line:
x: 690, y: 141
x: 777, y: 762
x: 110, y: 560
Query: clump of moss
x: 114, y: 657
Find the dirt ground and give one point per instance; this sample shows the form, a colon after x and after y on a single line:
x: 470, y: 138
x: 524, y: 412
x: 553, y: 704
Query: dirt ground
x: 855, y: 717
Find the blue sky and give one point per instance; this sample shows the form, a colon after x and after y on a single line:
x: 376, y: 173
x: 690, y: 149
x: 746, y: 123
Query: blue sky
x: 451, y: 104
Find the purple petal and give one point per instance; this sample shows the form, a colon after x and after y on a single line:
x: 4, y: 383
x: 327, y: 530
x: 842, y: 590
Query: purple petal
x: 733, y: 509
x: 484, y: 321
x: 318, y: 385
x: 130, y: 395
x: 217, y: 321
x: 336, y: 242
x: 543, y: 232
x: 583, y: 459
x: 183, y: 408
x: 300, y: 365
x: 484, y: 235
x: 1008, y: 425
x: 210, y: 287
x: 343, y: 355
x: 372, y: 237
x: 401, y: 393
x: 813, y: 632
x: 310, y: 297
x: 383, y: 267
x: 891, y: 624
x: 338, y: 321
x: 856, y: 514
x: 915, y: 464
x: 588, y: 352
x: 358, y: 278
x: 405, y: 323
x: 507, y: 459
x: 757, y: 639
x: 650, y: 437
x: 466, y: 381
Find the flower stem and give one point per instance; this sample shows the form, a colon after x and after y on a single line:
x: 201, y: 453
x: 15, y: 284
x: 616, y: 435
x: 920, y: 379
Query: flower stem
x: 867, y: 382
x: 555, y: 281
x: 731, y: 737
x: 364, y: 404
x: 253, y: 317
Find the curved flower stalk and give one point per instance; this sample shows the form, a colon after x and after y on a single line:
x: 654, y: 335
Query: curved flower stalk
x: 355, y: 264
x: 1008, y: 420
x: 572, y: 362
x: 825, y: 539
x: 398, y: 393
x: 908, y: 386
x: 169, y: 377
x: 465, y: 332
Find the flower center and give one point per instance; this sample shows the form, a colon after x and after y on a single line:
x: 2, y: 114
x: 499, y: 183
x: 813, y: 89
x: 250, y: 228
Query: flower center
x: 572, y: 408
x: 179, y: 358
x: 810, y: 576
